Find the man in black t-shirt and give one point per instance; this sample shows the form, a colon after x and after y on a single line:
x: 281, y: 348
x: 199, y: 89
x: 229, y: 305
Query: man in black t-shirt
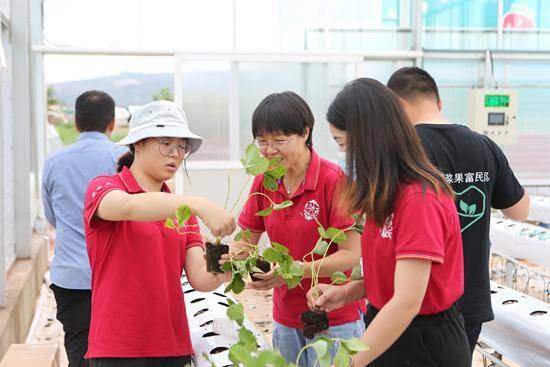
x: 479, y: 173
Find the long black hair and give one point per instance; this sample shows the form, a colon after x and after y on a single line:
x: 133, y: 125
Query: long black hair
x: 383, y: 148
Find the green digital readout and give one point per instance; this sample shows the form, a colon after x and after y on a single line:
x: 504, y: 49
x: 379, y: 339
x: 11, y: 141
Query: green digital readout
x: 493, y: 100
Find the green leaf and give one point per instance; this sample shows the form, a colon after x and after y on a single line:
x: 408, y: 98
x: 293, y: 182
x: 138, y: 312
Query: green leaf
x: 321, y: 231
x: 272, y: 255
x: 296, y: 270
x: 226, y: 267
x: 264, y: 213
x: 472, y: 209
x: 235, y: 312
x: 354, y: 345
x: 342, y: 358
x: 276, y: 172
x: 270, y: 184
x: 464, y: 207
x: 236, y: 285
x: 284, y: 204
x: 320, y: 247
x: 248, y: 339
x: 320, y: 346
x: 169, y: 223
x: 292, y: 282
x: 239, y: 354
x: 356, y: 272
x: 251, y: 152
x: 339, y: 277
x: 243, y: 235
x: 336, y: 235
x: 324, y: 361
x: 358, y: 225
x: 183, y: 214
x: 282, y: 249
x: 257, y: 166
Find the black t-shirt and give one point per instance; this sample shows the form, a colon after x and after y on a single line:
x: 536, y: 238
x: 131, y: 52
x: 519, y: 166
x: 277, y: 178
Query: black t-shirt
x: 479, y: 173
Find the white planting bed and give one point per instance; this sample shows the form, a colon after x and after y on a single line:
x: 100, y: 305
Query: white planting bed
x: 212, y: 333
x: 521, y: 240
x: 521, y: 328
x: 539, y: 210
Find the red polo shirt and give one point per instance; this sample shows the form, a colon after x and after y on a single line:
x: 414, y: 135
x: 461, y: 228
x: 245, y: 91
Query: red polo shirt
x: 137, y: 301
x: 295, y: 228
x: 425, y: 226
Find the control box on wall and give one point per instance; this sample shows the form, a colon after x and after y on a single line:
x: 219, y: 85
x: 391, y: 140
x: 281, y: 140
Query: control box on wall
x: 493, y: 112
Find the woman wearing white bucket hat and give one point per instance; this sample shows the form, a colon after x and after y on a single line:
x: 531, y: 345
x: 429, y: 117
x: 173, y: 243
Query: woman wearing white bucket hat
x: 138, y: 312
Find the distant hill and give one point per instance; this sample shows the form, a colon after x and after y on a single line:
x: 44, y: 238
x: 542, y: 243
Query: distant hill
x: 126, y: 88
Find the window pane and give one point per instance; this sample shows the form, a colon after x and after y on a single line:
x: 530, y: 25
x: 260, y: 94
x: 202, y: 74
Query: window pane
x: 316, y: 83
x: 205, y: 101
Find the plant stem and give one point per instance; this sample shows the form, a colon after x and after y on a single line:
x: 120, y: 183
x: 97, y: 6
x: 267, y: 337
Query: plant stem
x: 240, y: 194
x: 300, y: 353
x: 229, y: 186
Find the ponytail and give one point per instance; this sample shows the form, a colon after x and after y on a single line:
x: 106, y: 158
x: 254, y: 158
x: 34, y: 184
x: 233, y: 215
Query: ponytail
x: 126, y: 159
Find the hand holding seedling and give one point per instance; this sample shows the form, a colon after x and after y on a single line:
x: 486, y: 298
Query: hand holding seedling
x: 218, y: 220
x: 327, y: 297
x: 266, y: 281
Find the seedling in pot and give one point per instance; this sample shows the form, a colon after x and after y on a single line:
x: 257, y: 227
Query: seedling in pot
x: 316, y: 320
x: 253, y: 164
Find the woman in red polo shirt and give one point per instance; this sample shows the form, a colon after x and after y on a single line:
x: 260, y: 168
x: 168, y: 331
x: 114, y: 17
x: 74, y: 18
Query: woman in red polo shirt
x: 282, y: 126
x: 412, y: 247
x: 138, y: 310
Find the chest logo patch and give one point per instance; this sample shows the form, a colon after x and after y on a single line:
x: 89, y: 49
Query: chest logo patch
x: 311, y: 210
x: 387, y: 229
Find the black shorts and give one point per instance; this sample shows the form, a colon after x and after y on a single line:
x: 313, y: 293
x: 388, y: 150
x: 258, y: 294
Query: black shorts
x: 184, y: 361
x: 429, y: 341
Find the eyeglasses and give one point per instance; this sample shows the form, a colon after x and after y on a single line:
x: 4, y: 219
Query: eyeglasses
x: 275, y: 144
x: 166, y: 149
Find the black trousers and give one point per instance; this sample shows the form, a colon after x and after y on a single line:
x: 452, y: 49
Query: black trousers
x: 473, y: 329
x: 429, y: 341
x: 74, y: 312
x: 142, y: 362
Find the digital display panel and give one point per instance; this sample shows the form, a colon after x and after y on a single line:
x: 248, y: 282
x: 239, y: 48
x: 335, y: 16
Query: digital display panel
x: 496, y: 119
x: 493, y: 100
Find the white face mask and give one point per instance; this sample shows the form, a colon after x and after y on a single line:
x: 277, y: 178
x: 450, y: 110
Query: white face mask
x: 342, y: 158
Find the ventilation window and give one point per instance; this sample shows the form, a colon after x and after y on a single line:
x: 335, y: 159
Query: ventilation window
x: 220, y: 294
x: 189, y: 291
x: 198, y: 300
x: 538, y: 313
x: 509, y: 302
x: 223, y: 304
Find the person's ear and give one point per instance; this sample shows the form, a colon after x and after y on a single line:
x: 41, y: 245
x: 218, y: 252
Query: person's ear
x: 110, y: 128
x: 439, y: 105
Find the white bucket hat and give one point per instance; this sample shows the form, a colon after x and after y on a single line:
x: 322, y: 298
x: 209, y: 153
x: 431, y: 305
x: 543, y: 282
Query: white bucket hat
x: 160, y: 119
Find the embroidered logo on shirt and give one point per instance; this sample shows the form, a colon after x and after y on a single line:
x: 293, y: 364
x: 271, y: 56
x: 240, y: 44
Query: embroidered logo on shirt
x: 387, y: 229
x: 311, y: 210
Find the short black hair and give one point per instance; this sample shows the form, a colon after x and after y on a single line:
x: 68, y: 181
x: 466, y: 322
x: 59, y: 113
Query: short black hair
x: 283, y: 113
x: 94, y: 111
x: 411, y: 82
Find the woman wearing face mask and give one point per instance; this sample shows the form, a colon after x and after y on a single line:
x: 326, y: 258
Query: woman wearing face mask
x: 138, y: 310
x: 411, y: 244
x: 282, y: 125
